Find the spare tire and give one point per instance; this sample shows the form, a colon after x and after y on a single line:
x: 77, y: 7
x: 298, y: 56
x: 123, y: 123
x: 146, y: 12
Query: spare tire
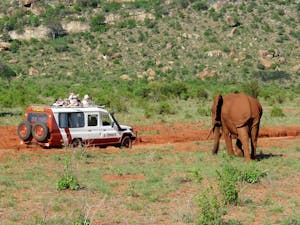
x: 40, y: 131
x: 24, y: 130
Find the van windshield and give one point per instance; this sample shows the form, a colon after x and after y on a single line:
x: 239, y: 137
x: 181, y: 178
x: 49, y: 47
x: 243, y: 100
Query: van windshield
x: 37, y: 117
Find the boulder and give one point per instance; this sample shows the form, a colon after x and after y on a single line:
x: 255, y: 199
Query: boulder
x: 262, y: 53
x: 4, y: 46
x: 266, y: 63
x: 75, y: 27
x: 206, y: 73
x: 296, y: 68
x: 28, y: 3
x: 281, y: 60
x: 125, y: 77
x: 151, y: 73
x: 33, y: 72
x: 216, y: 53
x: 41, y: 32
x: 116, y: 55
x: 231, y: 22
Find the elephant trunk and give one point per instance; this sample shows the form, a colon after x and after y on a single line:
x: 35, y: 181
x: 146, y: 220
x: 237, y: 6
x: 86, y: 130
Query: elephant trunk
x: 217, y: 136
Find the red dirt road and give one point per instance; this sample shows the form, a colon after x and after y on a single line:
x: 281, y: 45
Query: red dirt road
x: 159, y: 133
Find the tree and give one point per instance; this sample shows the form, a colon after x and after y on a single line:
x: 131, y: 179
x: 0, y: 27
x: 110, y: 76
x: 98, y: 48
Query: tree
x: 6, y: 72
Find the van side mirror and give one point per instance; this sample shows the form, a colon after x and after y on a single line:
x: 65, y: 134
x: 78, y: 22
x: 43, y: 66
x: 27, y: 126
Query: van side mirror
x: 112, y: 124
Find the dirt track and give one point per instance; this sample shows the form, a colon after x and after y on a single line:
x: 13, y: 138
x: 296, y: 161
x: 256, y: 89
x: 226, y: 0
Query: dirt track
x: 160, y: 133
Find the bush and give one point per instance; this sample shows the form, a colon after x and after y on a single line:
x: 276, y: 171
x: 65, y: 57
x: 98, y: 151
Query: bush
x: 251, y: 174
x: 98, y: 23
x: 277, y: 112
x: 67, y: 181
x: 228, y: 178
x: 56, y: 28
x: 200, y: 5
x: 165, y: 108
x: 251, y: 88
x: 272, y: 75
x: 60, y: 45
x: 211, y: 209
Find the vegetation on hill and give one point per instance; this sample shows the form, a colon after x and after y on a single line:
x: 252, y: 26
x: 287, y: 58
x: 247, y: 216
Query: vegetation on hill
x: 150, y: 51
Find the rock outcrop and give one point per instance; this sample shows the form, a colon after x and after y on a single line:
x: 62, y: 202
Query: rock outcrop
x: 41, y: 32
x: 75, y: 27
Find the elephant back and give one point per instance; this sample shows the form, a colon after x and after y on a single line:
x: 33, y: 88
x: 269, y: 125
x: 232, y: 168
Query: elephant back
x: 236, y: 109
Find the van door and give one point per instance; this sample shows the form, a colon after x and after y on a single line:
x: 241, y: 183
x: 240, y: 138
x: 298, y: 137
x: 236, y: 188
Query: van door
x: 108, y: 130
x: 93, y: 133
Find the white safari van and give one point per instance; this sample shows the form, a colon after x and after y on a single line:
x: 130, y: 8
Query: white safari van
x: 52, y: 126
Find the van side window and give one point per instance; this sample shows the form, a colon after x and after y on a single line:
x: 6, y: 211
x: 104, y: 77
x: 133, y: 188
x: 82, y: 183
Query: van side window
x: 106, y: 121
x: 92, y: 120
x: 71, y: 120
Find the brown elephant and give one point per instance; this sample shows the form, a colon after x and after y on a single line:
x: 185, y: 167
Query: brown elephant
x: 239, y: 117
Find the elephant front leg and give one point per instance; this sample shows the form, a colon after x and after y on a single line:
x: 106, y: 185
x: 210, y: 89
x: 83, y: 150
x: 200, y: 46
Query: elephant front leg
x: 228, y: 142
x: 244, y: 138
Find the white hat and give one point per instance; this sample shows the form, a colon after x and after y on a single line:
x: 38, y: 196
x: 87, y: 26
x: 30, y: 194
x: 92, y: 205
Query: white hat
x: 86, y: 97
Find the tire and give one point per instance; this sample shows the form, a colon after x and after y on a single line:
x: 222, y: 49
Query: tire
x: 76, y: 143
x: 24, y: 131
x: 40, y: 131
x: 126, y: 142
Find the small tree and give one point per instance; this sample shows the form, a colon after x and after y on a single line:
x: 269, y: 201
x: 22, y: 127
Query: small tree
x: 251, y: 88
x: 56, y: 28
x: 98, y: 22
x: 6, y: 72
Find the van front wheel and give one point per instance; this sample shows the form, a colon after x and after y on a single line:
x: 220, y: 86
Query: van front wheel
x: 126, y: 142
x: 76, y: 143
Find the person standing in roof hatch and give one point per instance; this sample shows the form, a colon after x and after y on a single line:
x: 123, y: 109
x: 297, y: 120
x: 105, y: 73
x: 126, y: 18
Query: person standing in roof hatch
x: 85, y: 101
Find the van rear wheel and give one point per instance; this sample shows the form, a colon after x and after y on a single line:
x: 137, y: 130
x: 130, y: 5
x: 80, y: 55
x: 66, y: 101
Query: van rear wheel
x: 126, y: 142
x: 40, y: 131
x: 24, y: 130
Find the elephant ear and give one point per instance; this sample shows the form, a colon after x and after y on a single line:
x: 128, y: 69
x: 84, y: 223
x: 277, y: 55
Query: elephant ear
x: 238, y: 109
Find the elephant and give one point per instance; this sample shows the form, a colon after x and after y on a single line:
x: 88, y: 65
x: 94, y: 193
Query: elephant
x: 239, y: 117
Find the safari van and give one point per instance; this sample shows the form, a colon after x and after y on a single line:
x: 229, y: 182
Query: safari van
x: 51, y: 126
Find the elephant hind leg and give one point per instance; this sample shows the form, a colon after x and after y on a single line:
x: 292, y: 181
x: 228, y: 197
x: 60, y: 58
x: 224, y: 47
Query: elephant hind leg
x: 244, y: 138
x: 254, y: 135
x: 238, y: 148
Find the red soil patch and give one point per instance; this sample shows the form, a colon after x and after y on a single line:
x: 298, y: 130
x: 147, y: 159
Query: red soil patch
x: 158, y: 133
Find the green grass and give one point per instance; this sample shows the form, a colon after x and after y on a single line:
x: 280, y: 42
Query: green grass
x: 165, y: 174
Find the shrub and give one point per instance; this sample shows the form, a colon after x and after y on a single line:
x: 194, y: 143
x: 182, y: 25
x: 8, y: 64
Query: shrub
x: 98, y: 23
x: 183, y: 3
x: 251, y: 174
x: 67, y: 181
x: 211, y: 209
x: 112, y: 6
x: 165, y: 108
x: 56, y: 28
x: 228, y: 178
x: 251, y: 88
x: 277, y: 112
x: 200, y: 5
x: 6, y: 72
x: 60, y: 45
x: 272, y: 75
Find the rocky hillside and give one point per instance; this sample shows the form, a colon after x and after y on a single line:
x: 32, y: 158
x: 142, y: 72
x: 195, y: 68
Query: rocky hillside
x: 94, y: 43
